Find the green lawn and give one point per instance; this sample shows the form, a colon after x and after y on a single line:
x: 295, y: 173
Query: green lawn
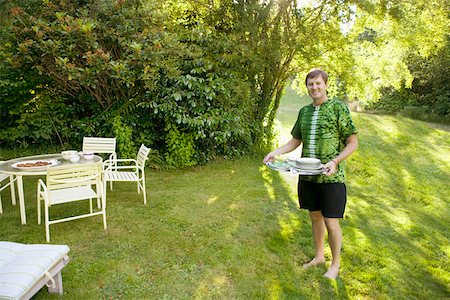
x: 233, y: 230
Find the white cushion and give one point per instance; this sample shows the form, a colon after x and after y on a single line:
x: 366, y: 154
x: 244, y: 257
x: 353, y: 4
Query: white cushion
x: 21, y: 266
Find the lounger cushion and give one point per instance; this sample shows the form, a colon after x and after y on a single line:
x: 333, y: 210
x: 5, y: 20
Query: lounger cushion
x: 22, y: 266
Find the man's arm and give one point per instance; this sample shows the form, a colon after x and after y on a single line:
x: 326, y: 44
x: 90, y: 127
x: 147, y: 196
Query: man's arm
x: 350, y: 147
x: 291, y: 145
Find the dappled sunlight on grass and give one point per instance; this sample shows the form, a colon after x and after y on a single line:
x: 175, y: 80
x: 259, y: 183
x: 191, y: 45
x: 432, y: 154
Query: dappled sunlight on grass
x: 395, y: 227
x: 289, y: 225
x: 398, y: 190
x: 212, y: 200
x: 266, y: 175
x: 274, y: 289
x: 213, y: 286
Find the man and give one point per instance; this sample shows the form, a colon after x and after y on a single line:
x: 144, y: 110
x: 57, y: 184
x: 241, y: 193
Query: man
x: 326, y: 130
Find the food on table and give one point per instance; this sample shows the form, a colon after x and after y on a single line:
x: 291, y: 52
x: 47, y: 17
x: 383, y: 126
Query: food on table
x: 34, y: 164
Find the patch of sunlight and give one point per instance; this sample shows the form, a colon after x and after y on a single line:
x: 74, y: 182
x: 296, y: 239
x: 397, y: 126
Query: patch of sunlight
x: 408, y: 180
x: 267, y: 177
x: 441, y: 150
x: 212, y: 200
x: 291, y: 180
x: 233, y: 206
x: 439, y: 273
x: 391, y: 130
x: 213, y: 286
x: 274, y: 289
x: 334, y: 286
x: 402, y: 218
x: 362, y: 240
x: 386, y: 127
x: 289, y: 225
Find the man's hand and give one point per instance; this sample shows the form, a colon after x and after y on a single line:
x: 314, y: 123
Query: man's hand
x: 331, y: 167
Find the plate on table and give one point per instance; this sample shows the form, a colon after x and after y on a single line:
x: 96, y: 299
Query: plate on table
x: 307, y: 172
x: 308, y: 167
x: 306, y: 163
x: 279, y: 166
x: 35, y: 164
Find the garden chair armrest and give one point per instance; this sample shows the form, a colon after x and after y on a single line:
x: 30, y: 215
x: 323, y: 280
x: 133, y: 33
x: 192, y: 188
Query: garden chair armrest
x: 41, y: 185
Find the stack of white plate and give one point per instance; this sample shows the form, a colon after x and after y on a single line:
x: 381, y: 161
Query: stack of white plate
x: 307, y: 163
x: 306, y: 166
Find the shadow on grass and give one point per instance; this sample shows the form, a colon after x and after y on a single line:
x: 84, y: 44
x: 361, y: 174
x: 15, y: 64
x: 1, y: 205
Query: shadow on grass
x: 231, y: 230
x: 398, y: 213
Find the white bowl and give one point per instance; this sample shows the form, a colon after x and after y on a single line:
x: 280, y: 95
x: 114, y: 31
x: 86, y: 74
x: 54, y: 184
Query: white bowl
x: 308, y: 160
x: 87, y: 155
x: 308, y: 163
x: 67, y: 154
x: 75, y: 158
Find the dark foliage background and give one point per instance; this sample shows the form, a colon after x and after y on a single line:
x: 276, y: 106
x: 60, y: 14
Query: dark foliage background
x: 195, y: 79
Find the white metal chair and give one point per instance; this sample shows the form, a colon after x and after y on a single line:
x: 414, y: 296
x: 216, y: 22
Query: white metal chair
x: 100, y: 145
x: 67, y: 184
x: 135, y: 171
x: 4, y: 184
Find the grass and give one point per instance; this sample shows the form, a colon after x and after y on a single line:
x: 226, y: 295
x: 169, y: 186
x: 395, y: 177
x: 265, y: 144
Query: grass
x: 233, y: 230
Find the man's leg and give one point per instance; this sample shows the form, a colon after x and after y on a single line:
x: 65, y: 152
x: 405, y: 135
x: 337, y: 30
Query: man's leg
x: 335, y: 241
x: 318, y: 232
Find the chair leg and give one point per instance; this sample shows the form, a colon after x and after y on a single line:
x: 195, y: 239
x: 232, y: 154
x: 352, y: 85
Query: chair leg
x: 104, y: 220
x: 38, y: 200
x: 39, y: 209
x: 58, y: 288
x: 47, y: 225
x: 143, y: 189
x: 99, y: 188
x: 104, y: 209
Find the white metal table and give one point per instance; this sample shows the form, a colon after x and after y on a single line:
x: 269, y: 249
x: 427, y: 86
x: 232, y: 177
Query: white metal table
x: 7, y: 168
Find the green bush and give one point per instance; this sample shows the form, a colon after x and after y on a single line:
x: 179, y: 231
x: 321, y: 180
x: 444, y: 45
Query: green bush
x: 124, y: 138
x: 180, y: 148
x: 392, y: 101
x: 114, y: 69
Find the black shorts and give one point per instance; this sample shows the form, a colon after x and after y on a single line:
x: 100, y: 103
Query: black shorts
x: 330, y: 198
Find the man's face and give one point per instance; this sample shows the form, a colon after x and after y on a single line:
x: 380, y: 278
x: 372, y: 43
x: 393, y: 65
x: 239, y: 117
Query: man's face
x: 317, y: 88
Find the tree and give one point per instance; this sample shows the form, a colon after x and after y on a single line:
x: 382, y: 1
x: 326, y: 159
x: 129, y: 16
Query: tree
x: 195, y: 79
x: 384, y: 35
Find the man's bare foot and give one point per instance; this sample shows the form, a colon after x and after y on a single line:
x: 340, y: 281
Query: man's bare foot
x: 314, y: 262
x: 332, y: 273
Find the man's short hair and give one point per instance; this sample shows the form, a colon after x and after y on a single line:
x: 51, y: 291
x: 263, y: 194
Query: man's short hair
x: 315, y: 73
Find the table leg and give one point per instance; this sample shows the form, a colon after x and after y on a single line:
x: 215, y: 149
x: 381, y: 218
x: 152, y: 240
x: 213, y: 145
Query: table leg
x: 13, y: 189
x: 23, y: 217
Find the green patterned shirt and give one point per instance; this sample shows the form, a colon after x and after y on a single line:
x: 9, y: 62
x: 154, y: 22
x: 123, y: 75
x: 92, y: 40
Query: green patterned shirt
x: 323, y: 131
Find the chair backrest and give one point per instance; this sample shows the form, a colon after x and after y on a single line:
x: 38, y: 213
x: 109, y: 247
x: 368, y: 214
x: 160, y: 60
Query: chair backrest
x: 99, y: 145
x: 142, y: 155
x: 61, y: 177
